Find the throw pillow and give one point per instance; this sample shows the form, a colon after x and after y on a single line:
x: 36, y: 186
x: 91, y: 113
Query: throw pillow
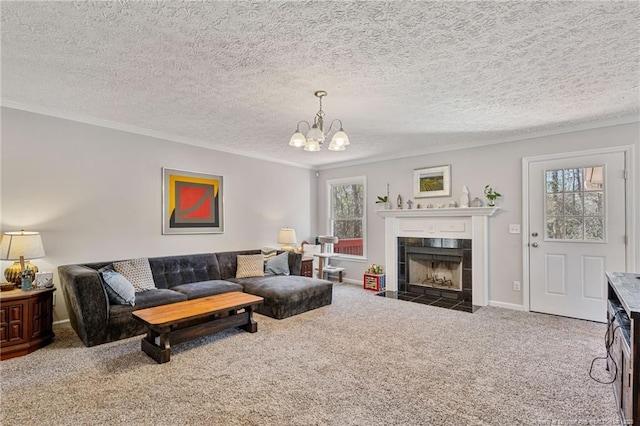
x: 278, y: 265
x: 119, y: 289
x: 138, y: 272
x: 268, y: 253
x: 250, y: 265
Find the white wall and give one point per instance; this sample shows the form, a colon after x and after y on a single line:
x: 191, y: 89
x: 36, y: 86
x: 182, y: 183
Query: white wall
x: 95, y: 193
x: 498, y: 165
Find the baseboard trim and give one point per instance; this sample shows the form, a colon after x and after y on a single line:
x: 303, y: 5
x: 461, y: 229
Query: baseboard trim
x: 506, y: 305
x: 351, y: 281
x: 64, y: 321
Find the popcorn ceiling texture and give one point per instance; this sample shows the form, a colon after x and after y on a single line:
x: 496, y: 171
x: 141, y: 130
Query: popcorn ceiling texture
x: 404, y: 77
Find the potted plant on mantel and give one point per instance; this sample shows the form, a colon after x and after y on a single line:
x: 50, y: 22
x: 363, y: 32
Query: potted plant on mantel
x: 384, y: 199
x: 491, y: 195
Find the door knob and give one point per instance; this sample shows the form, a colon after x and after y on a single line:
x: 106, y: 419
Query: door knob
x: 534, y: 245
x: 535, y: 234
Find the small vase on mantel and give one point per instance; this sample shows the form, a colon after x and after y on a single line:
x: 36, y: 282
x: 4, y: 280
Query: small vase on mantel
x: 464, y: 198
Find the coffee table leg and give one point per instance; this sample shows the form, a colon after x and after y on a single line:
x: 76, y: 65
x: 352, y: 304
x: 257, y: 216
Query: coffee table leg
x: 161, y: 353
x: 251, y: 326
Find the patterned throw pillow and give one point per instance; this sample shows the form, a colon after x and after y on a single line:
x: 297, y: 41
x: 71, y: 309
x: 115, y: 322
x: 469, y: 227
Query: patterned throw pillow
x: 138, y: 272
x: 268, y: 253
x: 251, y: 265
x: 278, y: 265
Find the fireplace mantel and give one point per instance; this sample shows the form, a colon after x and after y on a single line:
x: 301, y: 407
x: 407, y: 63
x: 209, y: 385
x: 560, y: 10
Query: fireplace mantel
x: 443, y: 212
x: 460, y: 222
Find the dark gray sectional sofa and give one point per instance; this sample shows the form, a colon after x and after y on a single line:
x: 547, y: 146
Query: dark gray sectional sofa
x: 179, y: 278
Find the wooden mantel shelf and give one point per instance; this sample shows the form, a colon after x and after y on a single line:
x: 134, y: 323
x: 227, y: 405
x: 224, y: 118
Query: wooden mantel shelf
x: 440, y: 212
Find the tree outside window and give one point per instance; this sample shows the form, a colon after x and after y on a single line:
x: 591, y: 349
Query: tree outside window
x: 347, y: 215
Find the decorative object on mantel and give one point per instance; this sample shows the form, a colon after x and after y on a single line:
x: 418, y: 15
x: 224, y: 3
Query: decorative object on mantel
x: 441, y: 205
x: 477, y: 202
x: 384, y: 199
x: 316, y: 135
x: 464, y: 198
x: 409, y: 204
x: 432, y: 182
x: 453, y: 204
x: 399, y: 202
x: 429, y: 206
x: 418, y: 206
x: 491, y: 195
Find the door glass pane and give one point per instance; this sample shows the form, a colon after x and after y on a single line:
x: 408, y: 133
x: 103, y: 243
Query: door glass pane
x: 555, y: 205
x: 554, y: 181
x: 573, y: 228
x: 554, y: 228
x: 594, y: 228
x: 574, y: 204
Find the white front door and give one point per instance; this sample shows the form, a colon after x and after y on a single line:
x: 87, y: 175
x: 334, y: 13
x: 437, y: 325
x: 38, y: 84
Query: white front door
x: 576, y: 233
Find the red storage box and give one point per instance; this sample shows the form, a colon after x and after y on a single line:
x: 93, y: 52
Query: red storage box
x: 374, y: 282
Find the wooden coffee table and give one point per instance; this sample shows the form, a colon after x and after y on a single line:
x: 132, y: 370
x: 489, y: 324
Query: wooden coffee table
x: 182, y: 321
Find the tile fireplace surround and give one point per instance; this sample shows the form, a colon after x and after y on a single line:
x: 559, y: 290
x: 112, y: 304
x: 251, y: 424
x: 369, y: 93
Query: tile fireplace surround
x: 455, y: 228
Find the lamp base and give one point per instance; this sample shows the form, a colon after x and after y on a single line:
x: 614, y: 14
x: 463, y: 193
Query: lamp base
x: 13, y: 273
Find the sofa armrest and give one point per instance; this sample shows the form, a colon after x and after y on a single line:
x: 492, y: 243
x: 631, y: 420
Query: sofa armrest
x: 295, y: 263
x: 87, y: 302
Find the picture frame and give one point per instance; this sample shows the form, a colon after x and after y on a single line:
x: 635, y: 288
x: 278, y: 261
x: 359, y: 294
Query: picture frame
x: 44, y: 279
x: 192, y: 202
x: 432, y: 182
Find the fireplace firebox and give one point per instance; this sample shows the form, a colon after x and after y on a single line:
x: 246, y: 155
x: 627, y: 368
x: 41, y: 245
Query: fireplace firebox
x: 434, y: 267
x: 439, y: 267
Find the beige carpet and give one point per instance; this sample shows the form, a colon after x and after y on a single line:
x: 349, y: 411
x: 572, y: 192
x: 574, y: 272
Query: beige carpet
x: 364, y: 360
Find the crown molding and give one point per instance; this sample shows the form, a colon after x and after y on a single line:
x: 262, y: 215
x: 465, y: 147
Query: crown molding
x: 114, y: 125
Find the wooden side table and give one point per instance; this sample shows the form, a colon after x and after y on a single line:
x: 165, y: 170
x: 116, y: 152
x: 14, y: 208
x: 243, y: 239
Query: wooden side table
x: 306, y: 270
x: 26, y: 321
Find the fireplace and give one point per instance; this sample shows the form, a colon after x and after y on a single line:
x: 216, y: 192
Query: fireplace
x: 439, y: 267
x: 441, y: 274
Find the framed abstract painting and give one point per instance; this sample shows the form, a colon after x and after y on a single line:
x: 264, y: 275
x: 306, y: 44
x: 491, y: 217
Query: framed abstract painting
x: 192, y: 203
x: 432, y: 182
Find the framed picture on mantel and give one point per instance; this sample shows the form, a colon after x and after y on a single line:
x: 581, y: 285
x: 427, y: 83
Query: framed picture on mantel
x: 191, y: 203
x: 432, y: 182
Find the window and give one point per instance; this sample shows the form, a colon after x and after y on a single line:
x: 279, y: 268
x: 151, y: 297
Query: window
x: 347, y: 213
x: 575, y: 204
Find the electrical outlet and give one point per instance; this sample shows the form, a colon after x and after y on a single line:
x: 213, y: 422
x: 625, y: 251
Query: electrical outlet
x: 514, y: 229
x: 516, y: 286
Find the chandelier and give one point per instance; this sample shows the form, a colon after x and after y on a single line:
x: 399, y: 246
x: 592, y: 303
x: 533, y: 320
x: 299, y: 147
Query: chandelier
x: 316, y: 134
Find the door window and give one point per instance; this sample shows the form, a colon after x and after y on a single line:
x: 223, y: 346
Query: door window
x: 574, y: 204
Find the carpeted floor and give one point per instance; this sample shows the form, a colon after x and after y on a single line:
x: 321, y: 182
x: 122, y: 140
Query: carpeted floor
x: 364, y: 360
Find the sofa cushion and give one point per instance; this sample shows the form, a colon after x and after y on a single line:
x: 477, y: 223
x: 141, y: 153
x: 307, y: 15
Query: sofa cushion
x: 207, y: 288
x: 251, y: 265
x: 148, y: 299
x: 119, y: 290
x: 285, y: 296
x: 138, y: 272
x: 172, y: 271
x: 278, y: 265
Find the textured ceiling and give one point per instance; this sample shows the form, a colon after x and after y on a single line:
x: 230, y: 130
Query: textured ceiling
x: 404, y: 77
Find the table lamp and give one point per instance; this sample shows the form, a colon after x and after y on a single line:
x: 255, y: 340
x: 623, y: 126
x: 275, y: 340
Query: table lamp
x: 287, y: 236
x: 19, y: 246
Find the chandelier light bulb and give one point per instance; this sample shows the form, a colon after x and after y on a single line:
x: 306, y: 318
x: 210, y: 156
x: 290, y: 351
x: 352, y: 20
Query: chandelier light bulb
x: 312, y: 146
x: 340, y: 138
x: 298, y: 140
x: 336, y: 147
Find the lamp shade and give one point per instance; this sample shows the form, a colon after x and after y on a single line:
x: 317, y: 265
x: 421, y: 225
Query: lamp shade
x: 287, y: 236
x: 27, y: 245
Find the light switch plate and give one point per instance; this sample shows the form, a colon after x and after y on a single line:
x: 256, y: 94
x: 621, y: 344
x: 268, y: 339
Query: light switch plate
x: 514, y: 229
